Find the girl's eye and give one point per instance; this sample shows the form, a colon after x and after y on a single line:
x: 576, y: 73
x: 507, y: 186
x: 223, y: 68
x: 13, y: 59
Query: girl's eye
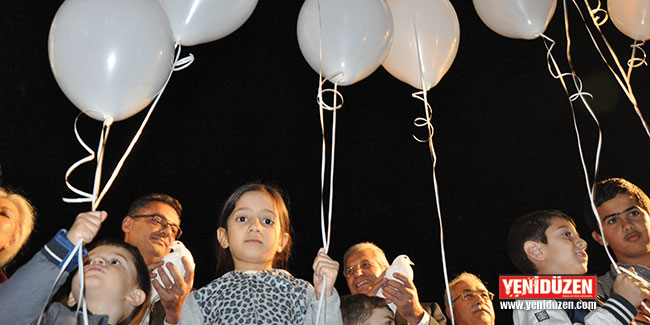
x: 268, y: 222
x: 115, y: 262
x: 568, y: 234
x: 241, y: 219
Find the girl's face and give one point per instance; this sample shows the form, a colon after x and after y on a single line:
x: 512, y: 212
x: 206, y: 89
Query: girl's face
x: 253, y: 232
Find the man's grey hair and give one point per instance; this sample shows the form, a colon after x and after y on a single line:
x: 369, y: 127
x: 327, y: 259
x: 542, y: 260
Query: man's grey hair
x: 379, y: 254
x: 465, y: 276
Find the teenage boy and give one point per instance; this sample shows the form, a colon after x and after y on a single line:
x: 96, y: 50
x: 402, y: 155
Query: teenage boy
x: 116, y: 280
x: 623, y: 211
x: 546, y: 242
x: 360, y: 309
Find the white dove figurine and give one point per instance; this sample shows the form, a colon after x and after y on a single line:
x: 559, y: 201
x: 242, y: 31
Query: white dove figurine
x: 401, y: 264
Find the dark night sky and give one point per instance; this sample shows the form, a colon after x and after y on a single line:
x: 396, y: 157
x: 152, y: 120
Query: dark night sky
x: 246, y: 110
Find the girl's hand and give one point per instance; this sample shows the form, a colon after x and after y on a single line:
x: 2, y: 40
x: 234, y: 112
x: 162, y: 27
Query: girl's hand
x: 326, y: 269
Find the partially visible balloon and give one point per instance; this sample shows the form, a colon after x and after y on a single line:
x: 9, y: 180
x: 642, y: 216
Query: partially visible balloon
x: 525, y: 19
x: 356, y: 36
x: 438, y: 34
x: 200, y: 21
x: 110, y: 58
x: 631, y: 17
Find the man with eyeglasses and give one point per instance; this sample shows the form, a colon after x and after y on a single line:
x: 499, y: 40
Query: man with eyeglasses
x: 152, y: 225
x: 365, y: 264
x: 471, y: 301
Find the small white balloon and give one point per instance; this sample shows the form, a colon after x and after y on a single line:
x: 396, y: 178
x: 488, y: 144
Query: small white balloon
x: 523, y: 19
x: 631, y: 17
x: 438, y: 33
x: 110, y: 58
x: 200, y: 21
x: 356, y: 36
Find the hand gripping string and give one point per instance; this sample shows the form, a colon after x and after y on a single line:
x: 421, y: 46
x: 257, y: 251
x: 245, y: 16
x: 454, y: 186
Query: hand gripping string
x: 426, y: 122
x: 580, y: 94
x: 625, y: 82
x: 96, y: 197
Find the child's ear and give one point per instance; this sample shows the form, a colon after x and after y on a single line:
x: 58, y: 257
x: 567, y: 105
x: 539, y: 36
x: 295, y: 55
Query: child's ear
x: 222, y: 237
x: 597, y: 237
x: 283, y: 242
x: 126, y: 224
x: 534, y: 251
x: 136, y: 297
x: 71, y: 300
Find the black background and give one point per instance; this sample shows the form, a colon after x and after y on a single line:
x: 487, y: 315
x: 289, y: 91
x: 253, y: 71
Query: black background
x: 246, y: 110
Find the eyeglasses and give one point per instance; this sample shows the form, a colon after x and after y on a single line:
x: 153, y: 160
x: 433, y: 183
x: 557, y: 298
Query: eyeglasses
x: 473, y: 295
x: 162, y: 222
x: 364, y: 265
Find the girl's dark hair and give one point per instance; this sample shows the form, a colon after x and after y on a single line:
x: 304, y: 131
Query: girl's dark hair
x: 281, y: 261
x: 142, y: 278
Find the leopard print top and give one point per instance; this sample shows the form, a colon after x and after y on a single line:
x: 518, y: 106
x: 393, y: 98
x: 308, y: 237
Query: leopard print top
x: 254, y: 297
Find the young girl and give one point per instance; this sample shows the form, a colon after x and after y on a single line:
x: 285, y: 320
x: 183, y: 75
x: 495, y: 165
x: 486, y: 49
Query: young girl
x: 255, y: 243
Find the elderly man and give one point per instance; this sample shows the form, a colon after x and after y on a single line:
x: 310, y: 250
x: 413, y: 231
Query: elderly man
x: 471, y: 301
x: 152, y: 225
x: 365, y: 264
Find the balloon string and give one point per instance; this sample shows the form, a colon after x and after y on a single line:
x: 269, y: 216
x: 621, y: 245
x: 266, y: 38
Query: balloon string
x: 635, y: 62
x: 78, y: 251
x: 426, y: 122
x: 625, y: 82
x: 580, y: 94
x: 326, y: 234
x: 96, y: 197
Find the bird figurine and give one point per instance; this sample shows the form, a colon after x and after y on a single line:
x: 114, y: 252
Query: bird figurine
x: 401, y: 264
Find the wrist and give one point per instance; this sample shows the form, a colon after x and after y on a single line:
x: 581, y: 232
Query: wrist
x: 418, y: 314
x: 170, y: 320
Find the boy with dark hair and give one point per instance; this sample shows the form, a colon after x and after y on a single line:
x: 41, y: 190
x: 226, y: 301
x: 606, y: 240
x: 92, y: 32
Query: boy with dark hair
x: 360, y: 309
x: 546, y: 242
x: 116, y: 280
x: 623, y: 210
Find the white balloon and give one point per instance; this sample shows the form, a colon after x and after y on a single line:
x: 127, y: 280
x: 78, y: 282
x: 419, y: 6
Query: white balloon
x: 356, y: 36
x: 110, y: 58
x: 201, y: 21
x: 525, y: 19
x: 438, y: 34
x: 631, y: 17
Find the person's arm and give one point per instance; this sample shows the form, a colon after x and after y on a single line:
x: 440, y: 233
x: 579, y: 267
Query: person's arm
x: 190, y: 312
x: 617, y: 310
x: 436, y: 315
x: 332, y: 306
x: 26, y: 292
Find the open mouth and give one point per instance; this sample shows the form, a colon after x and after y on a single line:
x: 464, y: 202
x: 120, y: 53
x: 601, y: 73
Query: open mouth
x: 582, y: 255
x: 360, y: 283
x: 633, y: 236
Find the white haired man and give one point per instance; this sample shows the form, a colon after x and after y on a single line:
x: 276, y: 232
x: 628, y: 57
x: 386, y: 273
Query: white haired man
x: 365, y: 265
